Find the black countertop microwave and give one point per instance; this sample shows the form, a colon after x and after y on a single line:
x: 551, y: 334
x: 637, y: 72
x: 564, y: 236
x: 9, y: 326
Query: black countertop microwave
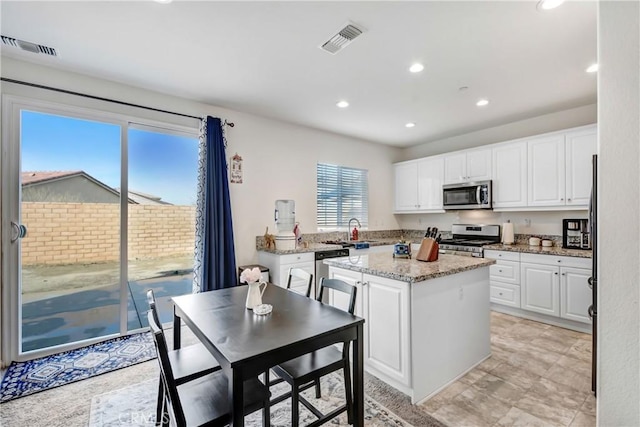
x: 467, y: 195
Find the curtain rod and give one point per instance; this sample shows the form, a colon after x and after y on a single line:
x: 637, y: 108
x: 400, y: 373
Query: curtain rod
x: 99, y: 98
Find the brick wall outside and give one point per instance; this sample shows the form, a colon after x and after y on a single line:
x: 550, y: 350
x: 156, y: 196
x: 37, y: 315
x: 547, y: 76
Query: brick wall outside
x: 79, y: 233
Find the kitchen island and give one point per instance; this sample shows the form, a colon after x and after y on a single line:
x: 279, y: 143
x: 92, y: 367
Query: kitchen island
x: 426, y: 324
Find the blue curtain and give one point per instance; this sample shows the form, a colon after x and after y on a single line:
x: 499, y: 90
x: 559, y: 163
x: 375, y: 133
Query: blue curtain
x: 215, y: 259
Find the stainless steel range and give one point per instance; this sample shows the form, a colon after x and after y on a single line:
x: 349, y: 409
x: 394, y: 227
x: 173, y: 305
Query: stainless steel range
x: 468, y: 239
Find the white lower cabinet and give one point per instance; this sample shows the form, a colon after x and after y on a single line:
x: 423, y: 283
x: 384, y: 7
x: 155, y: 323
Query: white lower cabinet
x: 575, y: 294
x: 504, y: 278
x: 540, y: 288
x: 556, y: 286
x: 385, y: 306
x: 279, y: 266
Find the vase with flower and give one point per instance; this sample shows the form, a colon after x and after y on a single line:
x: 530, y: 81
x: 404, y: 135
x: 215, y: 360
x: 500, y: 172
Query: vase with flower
x: 253, y: 278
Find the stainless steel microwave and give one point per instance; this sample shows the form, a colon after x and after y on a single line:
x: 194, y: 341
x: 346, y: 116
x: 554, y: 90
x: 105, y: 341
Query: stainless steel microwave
x: 467, y: 195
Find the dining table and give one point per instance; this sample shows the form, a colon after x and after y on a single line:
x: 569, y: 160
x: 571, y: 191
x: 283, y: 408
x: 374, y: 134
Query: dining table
x: 247, y: 344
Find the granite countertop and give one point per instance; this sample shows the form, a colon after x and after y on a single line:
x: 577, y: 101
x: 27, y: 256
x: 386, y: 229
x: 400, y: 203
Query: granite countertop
x: 408, y: 270
x: 317, y: 247
x: 553, y: 250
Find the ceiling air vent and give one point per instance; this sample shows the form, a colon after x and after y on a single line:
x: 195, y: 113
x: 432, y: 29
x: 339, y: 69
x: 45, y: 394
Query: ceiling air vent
x: 28, y: 46
x: 345, y: 36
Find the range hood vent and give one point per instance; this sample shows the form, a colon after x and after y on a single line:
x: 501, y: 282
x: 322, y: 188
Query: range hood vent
x: 28, y: 46
x: 343, y: 38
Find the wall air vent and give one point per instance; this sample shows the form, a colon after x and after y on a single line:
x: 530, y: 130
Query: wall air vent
x: 339, y: 41
x: 28, y: 46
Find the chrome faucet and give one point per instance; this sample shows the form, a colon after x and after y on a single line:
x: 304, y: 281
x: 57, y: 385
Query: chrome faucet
x: 349, y: 227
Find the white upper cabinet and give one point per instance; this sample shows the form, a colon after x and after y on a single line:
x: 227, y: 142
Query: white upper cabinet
x: 470, y: 165
x: 509, y: 175
x: 406, y: 186
x: 418, y: 185
x: 430, y: 180
x: 546, y: 171
x: 580, y: 146
x: 560, y: 168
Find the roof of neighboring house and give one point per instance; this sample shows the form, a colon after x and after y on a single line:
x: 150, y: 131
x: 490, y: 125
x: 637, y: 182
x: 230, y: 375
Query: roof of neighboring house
x: 145, y: 198
x: 40, y: 177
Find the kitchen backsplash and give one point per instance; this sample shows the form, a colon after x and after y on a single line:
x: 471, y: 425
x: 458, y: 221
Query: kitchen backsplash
x: 413, y: 235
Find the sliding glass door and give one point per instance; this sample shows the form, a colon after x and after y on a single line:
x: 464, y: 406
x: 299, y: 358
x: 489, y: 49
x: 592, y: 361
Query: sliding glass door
x: 98, y: 211
x: 70, y: 206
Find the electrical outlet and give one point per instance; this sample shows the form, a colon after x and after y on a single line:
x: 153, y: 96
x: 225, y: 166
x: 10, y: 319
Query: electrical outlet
x: 461, y: 294
x: 527, y: 222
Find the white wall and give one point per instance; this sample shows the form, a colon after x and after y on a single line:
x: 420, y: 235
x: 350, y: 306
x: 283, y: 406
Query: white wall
x: 619, y: 214
x: 279, y: 158
x: 519, y: 129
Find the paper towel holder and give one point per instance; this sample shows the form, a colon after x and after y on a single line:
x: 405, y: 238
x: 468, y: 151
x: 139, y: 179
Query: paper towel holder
x: 508, y: 237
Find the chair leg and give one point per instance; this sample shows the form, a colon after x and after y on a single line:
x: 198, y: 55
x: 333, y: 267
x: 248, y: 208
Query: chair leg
x: 160, y: 404
x: 166, y: 422
x: 318, y: 394
x: 266, y: 412
x: 348, y: 394
x: 295, y: 410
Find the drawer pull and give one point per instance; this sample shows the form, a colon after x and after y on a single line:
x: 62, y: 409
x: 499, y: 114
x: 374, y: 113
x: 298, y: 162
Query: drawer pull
x: 500, y: 271
x: 559, y: 260
x: 556, y: 273
x: 500, y: 294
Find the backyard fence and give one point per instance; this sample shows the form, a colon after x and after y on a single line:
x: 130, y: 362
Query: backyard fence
x: 79, y: 233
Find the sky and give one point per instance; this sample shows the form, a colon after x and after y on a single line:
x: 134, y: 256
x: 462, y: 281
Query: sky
x: 160, y: 164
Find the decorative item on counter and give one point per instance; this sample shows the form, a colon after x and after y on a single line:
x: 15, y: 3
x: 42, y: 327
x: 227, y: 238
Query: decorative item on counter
x: 508, y: 236
x: 402, y: 249
x: 428, y: 250
x: 354, y: 234
x: 298, y: 234
x: 269, y: 240
x: 253, y: 278
x: 534, y: 241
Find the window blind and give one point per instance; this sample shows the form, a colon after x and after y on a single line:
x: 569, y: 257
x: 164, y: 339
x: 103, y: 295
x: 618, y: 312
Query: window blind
x: 343, y: 193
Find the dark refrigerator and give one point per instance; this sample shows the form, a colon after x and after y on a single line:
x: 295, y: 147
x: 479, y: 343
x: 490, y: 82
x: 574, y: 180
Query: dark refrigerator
x: 593, y: 280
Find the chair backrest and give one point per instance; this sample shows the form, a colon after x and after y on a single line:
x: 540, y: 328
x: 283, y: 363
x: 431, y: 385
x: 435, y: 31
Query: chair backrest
x: 151, y: 300
x: 166, y: 373
x: 299, y: 273
x: 340, y: 286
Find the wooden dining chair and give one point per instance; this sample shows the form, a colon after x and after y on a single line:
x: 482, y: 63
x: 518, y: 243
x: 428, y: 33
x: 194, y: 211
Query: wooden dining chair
x: 305, y: 371
x: 187, y: 363
x: 298, y: 273
x: 205, y: 400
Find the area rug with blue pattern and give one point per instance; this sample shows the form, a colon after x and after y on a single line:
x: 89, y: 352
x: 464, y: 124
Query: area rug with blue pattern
x: 24, y: 378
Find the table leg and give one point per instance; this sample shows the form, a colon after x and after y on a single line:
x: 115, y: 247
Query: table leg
x: 358, y: 379
x: 236, y: 394
x: 176, y: 329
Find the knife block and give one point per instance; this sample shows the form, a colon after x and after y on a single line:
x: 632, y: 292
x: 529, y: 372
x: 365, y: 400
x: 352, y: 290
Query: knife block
x: 428, y: 250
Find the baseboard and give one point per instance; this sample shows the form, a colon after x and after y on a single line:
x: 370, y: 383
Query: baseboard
x: 542, y: 318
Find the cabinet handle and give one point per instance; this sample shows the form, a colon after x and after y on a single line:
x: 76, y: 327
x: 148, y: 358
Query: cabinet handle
x: 556, y: 273
x: 358, y: 282
x: 500, y: 294
x: 500, y: 255
x: 564, y: 274
x: 500, y: 271
x: 568, y: 200
x: 365, y: 283
x: 559, y: 260
x: 561, y: 198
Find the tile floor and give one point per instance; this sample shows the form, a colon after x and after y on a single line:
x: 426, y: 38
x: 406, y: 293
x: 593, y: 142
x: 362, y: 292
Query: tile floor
x: 537, y: 375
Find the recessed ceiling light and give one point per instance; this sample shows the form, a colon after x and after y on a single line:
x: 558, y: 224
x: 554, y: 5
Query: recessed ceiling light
x: 549, y: 4
x: 342, y: 104
x: 592, y: 68
x: 410, y: 125
x: 416, y: 68
x: 482, y: 102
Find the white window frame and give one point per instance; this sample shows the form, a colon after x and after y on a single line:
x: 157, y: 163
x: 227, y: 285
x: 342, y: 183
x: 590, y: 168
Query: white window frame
x: 342, y: 223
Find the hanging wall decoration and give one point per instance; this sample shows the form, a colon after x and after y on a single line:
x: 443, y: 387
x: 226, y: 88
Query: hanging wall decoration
x: 236, y: 169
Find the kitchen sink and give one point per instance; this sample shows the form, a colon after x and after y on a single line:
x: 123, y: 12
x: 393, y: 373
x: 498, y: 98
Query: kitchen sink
x: 358, y: 244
